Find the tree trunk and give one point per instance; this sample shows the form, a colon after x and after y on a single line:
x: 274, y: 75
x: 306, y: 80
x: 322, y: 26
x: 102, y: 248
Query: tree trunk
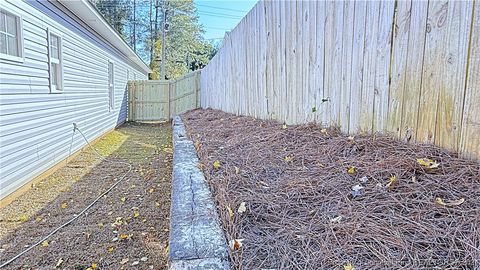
x: 152, y: 36
x: 156, y: 18
x: 134, y: 26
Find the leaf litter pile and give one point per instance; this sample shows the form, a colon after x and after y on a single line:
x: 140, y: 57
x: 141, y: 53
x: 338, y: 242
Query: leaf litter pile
x: 126, y: 229
x: 304, y: 197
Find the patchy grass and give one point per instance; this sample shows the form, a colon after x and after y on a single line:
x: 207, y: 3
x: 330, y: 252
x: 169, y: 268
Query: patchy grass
x: 110, y: 143
x: 46, y: 190
x: 127, y: 226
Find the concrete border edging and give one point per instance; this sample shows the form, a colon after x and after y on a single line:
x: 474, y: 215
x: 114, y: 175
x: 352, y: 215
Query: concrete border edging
x: 196, y: 238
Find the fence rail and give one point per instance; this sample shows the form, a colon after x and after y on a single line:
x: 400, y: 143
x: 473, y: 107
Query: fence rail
x: 161, y: 100
x: 411, y: 68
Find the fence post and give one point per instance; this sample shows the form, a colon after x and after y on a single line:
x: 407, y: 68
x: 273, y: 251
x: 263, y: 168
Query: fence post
x: 131, y: 103
x: 197, y: 89
x: 169, y: 99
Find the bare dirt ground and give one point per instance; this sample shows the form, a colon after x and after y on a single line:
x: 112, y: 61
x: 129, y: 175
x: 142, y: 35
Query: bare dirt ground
x: 126, y: 229
x: 317, y: 199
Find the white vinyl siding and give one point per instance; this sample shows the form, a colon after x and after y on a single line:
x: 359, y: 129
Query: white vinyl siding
x: 11, y: 40
x: 55, y: 60
x: 35, y: 125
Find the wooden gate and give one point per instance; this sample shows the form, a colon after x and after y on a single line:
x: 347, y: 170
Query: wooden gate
x: 161, y: 100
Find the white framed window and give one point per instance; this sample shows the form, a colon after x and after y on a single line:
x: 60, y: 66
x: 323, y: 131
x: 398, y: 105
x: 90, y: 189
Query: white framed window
x: 55, y: 62
x: 11, y: 36
x: 111, y: 86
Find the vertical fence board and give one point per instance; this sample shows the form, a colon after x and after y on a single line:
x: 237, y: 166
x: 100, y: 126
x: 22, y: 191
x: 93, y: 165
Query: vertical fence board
x: 318, y: 50
x: 270, y: 54
x: 290, y: 43
x: 252, y: 70
x: 262, y: 58
x: 249, y: 89
x: 336, y: 74
x: 369, y: 60
x: 398, y: 66
x: 450, y: 100
x: 297, y: 91
x: 432, y: 82
x: 329, y: 62
x: 357, y: 66
x: 470, y: 139
x: 282, y: 61
x: 413, y: 74
x: 382, y: 65
x: 323, y: 21
x: 308, y: 98
x: 239, y: 67
x: 346, y: 77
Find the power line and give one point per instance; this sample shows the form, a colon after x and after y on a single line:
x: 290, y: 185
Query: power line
x: 213, y: 14
x: 229, y: 9
x: 218, y: 13
x: 217, y: 28
x: 206, y: 13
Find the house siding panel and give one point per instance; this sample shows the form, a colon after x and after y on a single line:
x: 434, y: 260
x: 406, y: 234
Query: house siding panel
x: 36, y: 125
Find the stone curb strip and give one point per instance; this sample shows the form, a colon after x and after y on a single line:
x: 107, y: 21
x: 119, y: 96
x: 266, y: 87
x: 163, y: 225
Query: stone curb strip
x: 196, y: 238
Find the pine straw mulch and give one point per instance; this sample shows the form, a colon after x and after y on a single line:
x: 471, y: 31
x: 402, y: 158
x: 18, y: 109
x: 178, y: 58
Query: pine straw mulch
x: 136, y: 212
x: 302, y: 214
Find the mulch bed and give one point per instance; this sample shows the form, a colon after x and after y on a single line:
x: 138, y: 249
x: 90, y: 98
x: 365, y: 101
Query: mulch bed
x: 126, y: 229
x: 319, y: 199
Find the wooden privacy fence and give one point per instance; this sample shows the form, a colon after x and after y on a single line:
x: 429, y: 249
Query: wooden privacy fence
x: 411, y: 68
x: 160, y: 100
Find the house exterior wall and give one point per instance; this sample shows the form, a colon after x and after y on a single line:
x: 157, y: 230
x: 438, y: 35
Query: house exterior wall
x: 36, y: 125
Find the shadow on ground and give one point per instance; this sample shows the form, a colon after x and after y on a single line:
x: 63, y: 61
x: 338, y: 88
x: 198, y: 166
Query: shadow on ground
x: 129, y: 226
